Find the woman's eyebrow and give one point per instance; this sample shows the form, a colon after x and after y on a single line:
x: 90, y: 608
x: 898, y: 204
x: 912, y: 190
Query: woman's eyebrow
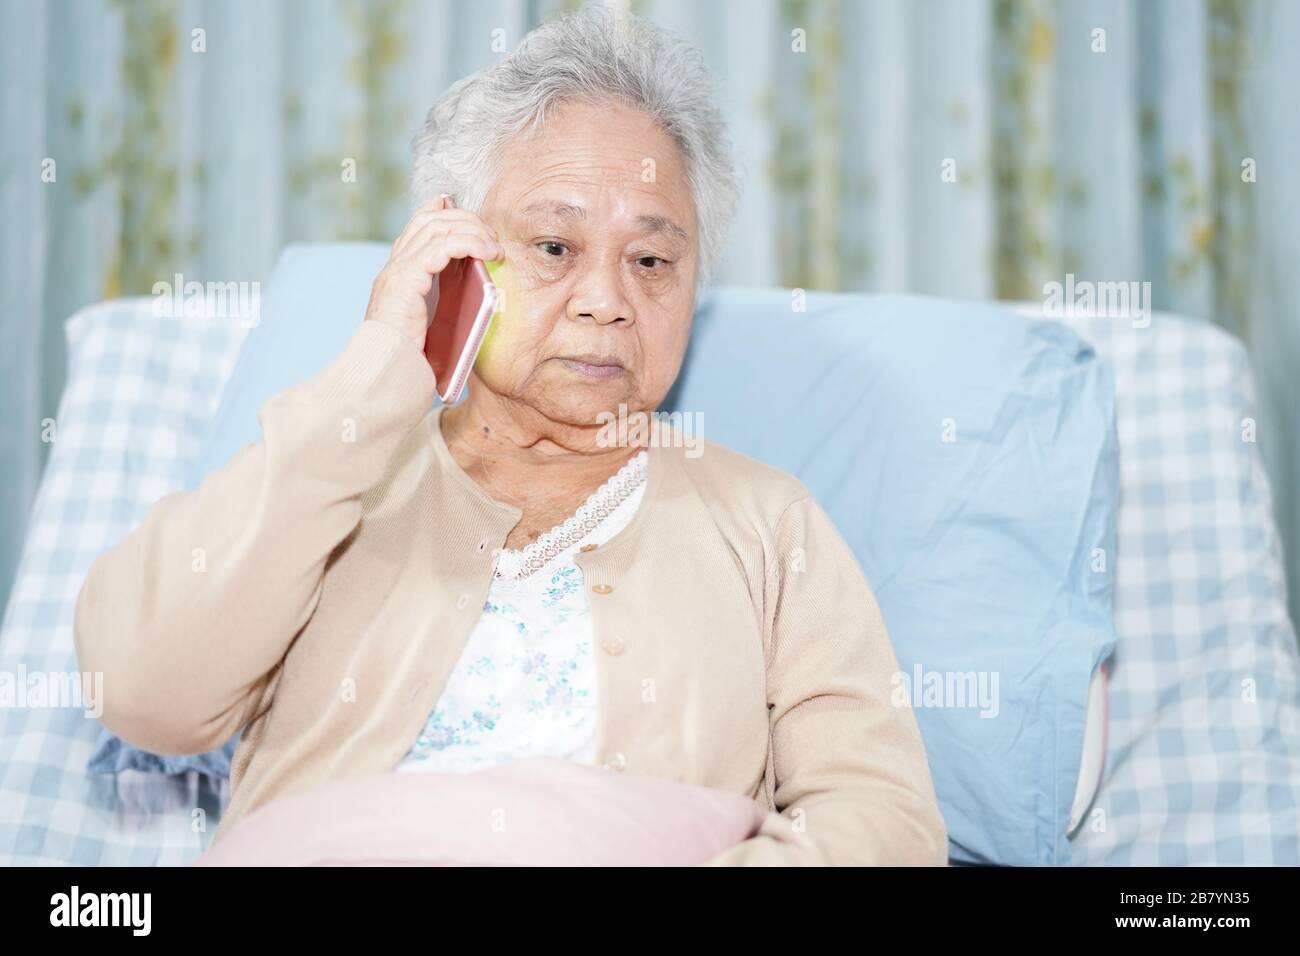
x: 647, y: 223
x: 652, y: 224
x: 562, y: 210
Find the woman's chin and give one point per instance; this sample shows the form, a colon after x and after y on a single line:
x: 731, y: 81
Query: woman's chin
x: 588, y: 411
x: 581, y: 400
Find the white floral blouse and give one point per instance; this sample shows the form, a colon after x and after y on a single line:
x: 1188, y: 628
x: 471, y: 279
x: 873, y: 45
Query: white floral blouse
x: 525, y: 685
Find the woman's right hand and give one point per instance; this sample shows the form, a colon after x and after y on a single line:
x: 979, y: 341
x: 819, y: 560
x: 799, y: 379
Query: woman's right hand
x: 434, y: 236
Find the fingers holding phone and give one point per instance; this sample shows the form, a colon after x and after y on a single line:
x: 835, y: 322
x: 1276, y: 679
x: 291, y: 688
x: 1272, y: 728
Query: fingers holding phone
x: 405, y: 292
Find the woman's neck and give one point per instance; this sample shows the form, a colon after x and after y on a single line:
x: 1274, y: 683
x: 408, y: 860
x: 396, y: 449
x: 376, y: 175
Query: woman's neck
x: 546, y: 469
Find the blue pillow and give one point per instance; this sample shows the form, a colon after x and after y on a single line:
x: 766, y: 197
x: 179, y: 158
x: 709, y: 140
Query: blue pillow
x: 969, y: 457
x: 981, y: 548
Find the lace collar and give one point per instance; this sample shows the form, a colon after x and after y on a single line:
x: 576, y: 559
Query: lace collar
x: 515, y: 565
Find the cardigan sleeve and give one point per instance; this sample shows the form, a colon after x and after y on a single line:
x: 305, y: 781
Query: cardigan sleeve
x: 188, y: 615
x: 852, y: 784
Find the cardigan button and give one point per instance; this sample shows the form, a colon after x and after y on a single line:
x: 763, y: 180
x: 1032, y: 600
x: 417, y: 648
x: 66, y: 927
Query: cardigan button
x: 614, y: 646
x: 602, y: 588
x: 616, y: 762
x: 588, y: 547
x: 461, y: 602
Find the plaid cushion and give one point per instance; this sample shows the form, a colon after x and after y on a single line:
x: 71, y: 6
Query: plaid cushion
x: 140, y: 390
x: 1203, y: 751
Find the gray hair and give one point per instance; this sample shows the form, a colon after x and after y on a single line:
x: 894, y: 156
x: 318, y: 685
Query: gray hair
x: 593, y: 55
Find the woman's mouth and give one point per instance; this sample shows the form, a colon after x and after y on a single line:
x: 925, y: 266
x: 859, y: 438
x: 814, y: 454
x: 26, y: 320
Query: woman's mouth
x: 593, y: 366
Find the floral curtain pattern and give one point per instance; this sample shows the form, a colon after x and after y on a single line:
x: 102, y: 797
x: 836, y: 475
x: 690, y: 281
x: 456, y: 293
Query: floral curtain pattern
x: 968, y: 148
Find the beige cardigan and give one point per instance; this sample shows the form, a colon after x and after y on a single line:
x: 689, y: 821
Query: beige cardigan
x: 318, y: 589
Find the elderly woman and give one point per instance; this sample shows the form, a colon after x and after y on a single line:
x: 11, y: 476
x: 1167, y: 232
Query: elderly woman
x: 376, y: 586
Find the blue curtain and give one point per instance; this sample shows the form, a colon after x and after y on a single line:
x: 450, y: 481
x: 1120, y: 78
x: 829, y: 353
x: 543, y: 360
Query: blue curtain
x: 970, y: 148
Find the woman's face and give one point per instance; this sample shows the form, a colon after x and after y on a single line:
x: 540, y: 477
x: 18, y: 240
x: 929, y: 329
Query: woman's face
x: 597, y: 222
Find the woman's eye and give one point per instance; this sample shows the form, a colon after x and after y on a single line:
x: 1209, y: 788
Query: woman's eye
x: 551, y: 248
x: 649, y: 262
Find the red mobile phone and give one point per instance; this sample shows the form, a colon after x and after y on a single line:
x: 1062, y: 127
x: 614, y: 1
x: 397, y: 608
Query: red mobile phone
x: 461, y: 304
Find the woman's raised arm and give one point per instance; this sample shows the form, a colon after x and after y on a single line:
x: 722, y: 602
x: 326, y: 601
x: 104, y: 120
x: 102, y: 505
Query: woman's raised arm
x: 190, y: 613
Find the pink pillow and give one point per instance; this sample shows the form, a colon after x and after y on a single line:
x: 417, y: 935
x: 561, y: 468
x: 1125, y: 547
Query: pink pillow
x: 541, y: 811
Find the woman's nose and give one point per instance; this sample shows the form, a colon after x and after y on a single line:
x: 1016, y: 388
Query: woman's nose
x: 598, y: 296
